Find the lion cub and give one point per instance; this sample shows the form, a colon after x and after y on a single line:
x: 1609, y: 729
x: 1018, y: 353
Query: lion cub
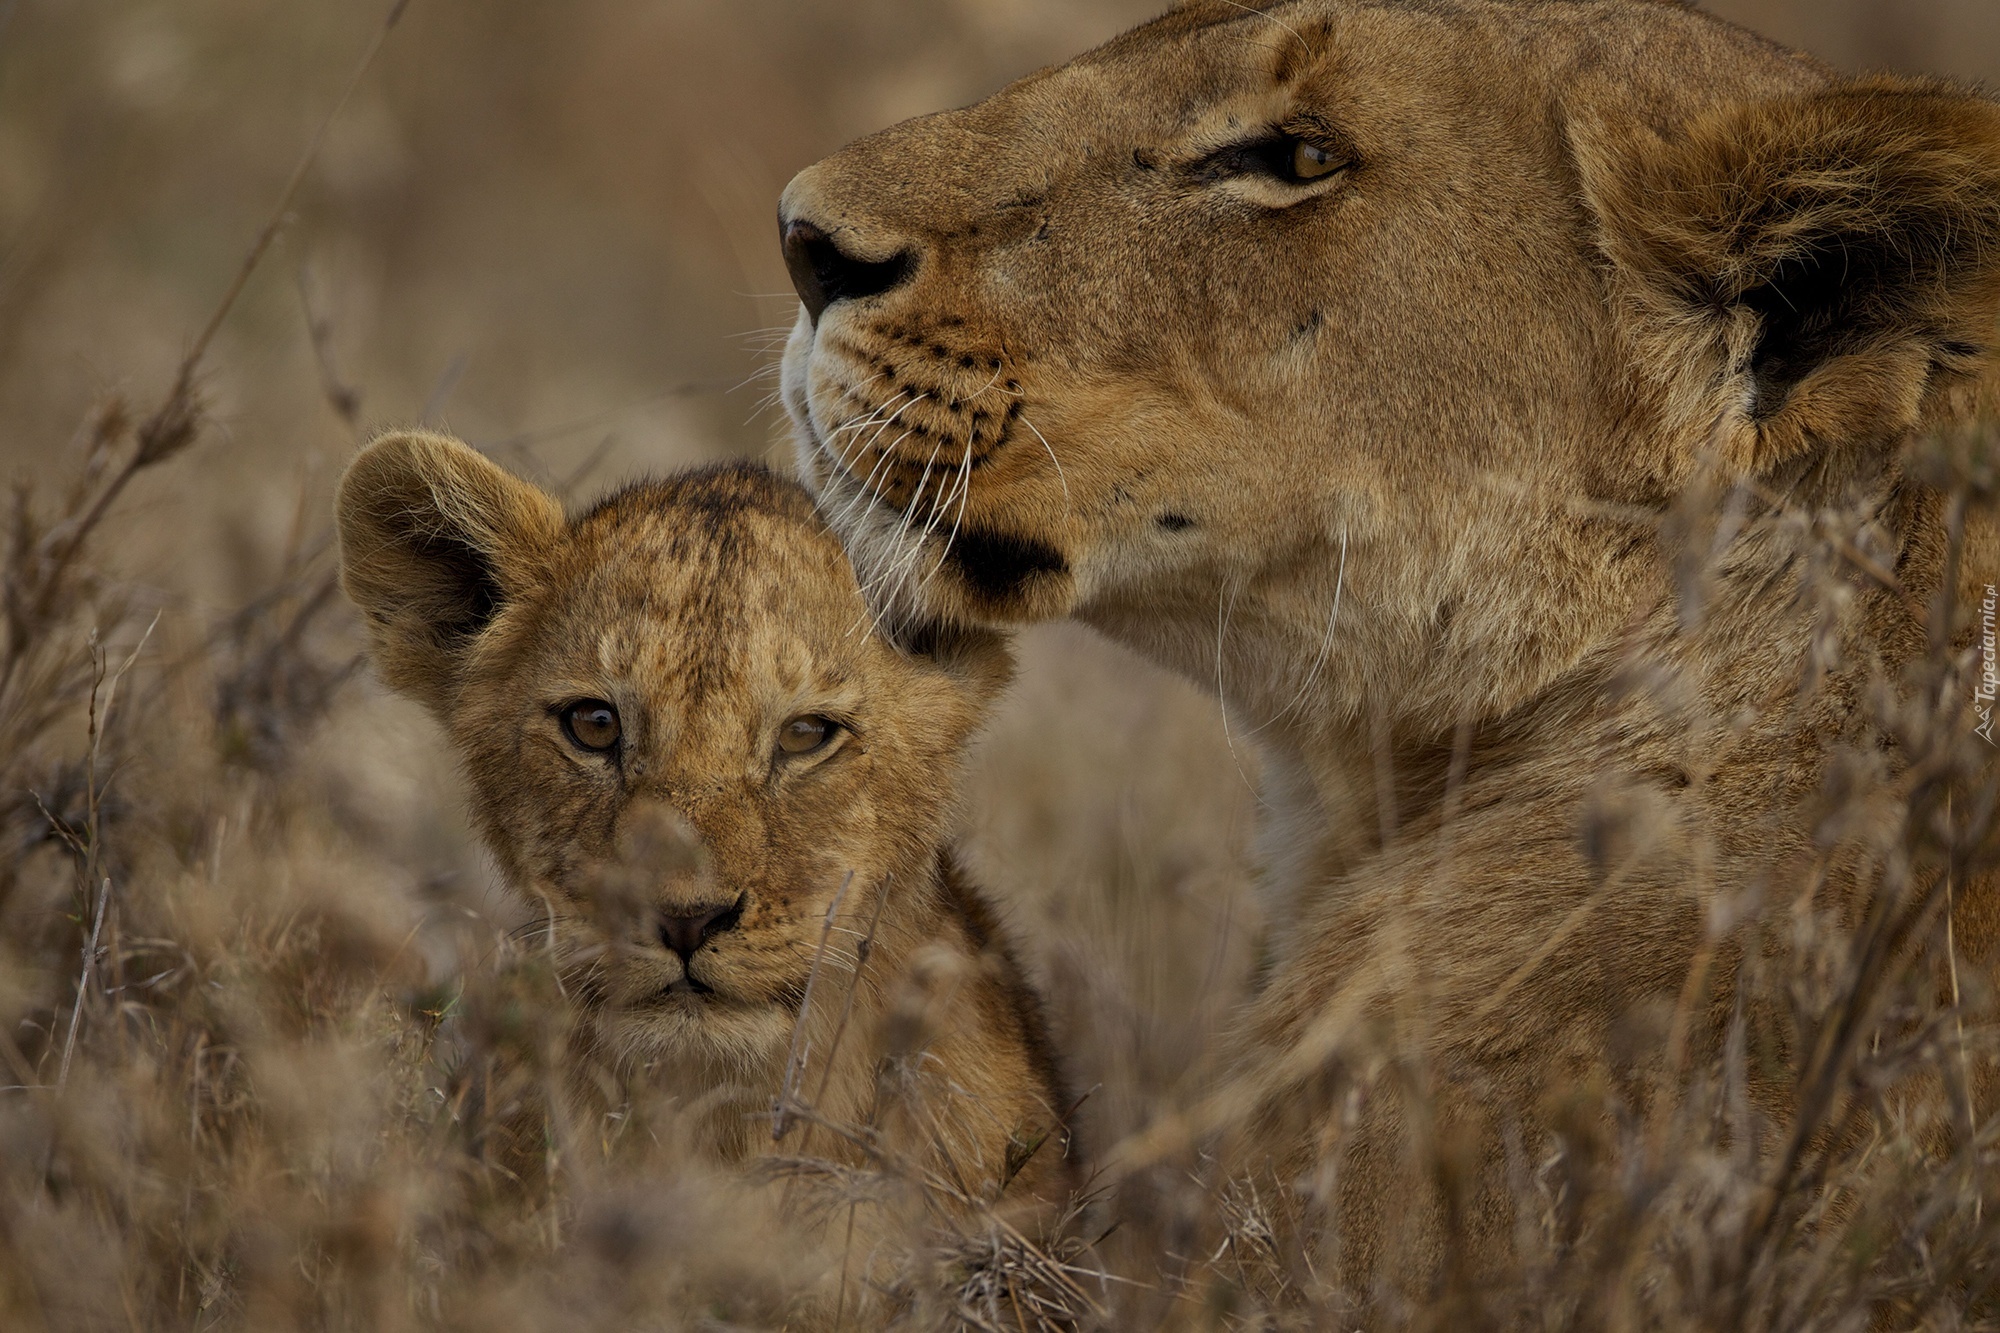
x: 730, y: 798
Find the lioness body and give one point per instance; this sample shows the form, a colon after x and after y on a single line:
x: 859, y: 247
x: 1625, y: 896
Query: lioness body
x: 1454, y: 386
x: 728, y: 800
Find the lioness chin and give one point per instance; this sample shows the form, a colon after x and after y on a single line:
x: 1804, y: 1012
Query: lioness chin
x: 1502, y: 406
x: 729, y: 802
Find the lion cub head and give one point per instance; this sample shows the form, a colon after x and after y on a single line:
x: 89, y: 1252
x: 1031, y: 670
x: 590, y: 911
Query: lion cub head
x: 684, y: 743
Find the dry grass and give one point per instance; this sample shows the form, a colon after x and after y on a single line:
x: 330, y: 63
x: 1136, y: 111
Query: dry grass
x: 276, y: 1056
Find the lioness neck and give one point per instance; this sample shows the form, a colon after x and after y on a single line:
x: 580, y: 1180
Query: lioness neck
x: 1334, y: 689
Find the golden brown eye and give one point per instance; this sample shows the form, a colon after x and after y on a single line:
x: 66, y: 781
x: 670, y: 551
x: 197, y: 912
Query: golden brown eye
x: 592, y: 724
x: 1294, y: 157
x: 804, y: 735
x: 1310, y: 161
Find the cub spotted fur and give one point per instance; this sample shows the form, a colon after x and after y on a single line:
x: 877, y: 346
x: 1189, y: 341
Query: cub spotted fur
x: 685, y: 747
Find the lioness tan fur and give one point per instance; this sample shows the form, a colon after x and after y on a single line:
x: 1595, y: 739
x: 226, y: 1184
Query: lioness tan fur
x: 730, y: 802
x: 1450, y: 385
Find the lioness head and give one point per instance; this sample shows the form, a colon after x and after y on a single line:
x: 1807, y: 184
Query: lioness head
x: 684, y: 742
x: 1405, y: 317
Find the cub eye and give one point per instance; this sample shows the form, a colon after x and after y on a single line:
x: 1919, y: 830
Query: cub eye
x: 1310, y: 161
x: 807, y: 735
x: 591, y: 724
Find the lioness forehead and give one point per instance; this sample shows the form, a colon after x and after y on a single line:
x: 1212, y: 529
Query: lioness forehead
x: 1479, y: 70
x: 1211, y: 15
x: 1654, y: 44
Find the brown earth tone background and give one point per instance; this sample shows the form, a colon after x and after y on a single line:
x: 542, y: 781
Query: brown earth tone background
x: 549, y: 228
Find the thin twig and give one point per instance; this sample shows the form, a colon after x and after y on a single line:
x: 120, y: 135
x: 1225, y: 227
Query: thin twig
x: 174, y: 423
x: 861, y: 953
x: 83, y: 983
x: 342, y: 397
x: 275, y: 223
x: 100, y: 720
x: 781, y: 1120
x: 1958, y: 1012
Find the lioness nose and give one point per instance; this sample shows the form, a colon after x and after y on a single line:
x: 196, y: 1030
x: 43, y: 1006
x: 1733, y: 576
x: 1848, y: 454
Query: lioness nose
x: 824, y: 273
x: 685, y: 933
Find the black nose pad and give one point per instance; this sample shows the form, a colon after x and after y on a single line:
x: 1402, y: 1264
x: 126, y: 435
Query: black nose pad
x: 824, y: 273
x: 688, y: 932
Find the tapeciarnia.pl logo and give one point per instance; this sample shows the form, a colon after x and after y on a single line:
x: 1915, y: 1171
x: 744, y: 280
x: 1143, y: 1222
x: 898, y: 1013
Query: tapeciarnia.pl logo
x: 1989, y: 669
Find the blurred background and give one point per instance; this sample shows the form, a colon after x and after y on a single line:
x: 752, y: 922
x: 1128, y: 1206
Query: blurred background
x: 549, y: 229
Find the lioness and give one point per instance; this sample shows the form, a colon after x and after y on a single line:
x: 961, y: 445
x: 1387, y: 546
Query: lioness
x: 1376, y: 363
x: 729, y: 798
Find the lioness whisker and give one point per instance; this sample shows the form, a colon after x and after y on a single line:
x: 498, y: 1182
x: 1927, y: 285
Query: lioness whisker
x: 899, y: 534
x: 901, y: 564
x: 1325, y: 647
x: 852, y: 392
x: 1228, y: 589
x: 768, y: 370
x: 882, y: 427
x: 860, y: 506
x: 887, y: 582
x: 883, y: 458
x: 887, y: 455
x: 958, y: 519
x: 908, y: 559
x: 857, y: 423
x: 963, y: 485
x: 1052, y: 458
x: 854, y: 425
x: 1274, y: 19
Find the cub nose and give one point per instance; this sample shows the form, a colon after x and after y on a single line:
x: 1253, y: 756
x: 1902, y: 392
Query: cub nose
x: 685, y: 933
x: 824, y: 273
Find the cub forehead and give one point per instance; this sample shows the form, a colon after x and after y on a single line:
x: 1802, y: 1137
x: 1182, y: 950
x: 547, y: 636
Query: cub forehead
x: 715, y: 535
x: 731, y: 563
x: 706, y: 511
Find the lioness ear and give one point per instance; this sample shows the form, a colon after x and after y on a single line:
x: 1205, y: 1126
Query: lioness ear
x: 434, y: 541
x: 1808, y: 270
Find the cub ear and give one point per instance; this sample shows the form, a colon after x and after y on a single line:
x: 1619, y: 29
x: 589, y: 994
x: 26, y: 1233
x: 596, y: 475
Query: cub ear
x: 434, y: 541
x: 1809, y: 270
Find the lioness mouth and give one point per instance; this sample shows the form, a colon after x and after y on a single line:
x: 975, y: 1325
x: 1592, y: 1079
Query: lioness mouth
x: 999, y: 565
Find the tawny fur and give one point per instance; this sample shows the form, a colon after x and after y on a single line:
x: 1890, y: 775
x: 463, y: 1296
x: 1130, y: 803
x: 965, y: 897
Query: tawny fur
x: 1401, y: 461
x: 711, y: 609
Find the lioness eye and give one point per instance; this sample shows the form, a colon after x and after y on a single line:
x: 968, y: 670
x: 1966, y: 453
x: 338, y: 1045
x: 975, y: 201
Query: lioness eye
x: 1295, y: 159
x: 803, y: 735
x: 1310, y: 161
x: 592, y: 724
